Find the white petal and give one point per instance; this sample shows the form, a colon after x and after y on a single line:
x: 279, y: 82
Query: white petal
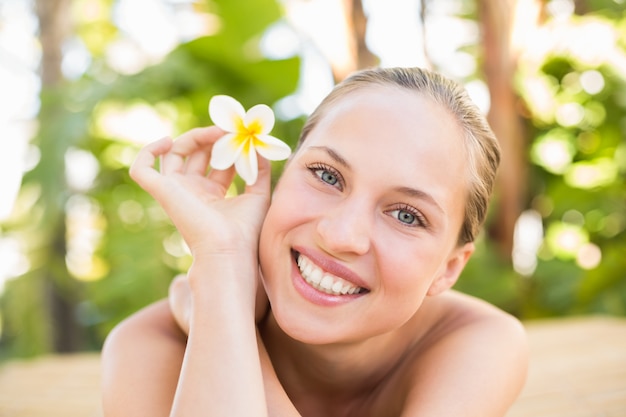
x: 261, y: 115
x: 272, y: 148
x: 247, y: 164
x: 225, y: 151
x: 226, y: 113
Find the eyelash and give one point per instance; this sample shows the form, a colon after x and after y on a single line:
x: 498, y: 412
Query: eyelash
x: 419, y: 217
x: 315, y: 169
x: 318, y: 166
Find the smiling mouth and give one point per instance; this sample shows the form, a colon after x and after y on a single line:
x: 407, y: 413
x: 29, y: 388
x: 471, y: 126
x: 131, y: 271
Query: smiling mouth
x: 323, y: 281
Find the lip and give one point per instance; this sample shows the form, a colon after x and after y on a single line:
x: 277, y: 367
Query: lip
x: 316, y: 296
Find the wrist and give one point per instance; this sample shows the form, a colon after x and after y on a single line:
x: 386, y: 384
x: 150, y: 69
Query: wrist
x: 208, y: 248
x: 212, y: 266
x: 224, y: 282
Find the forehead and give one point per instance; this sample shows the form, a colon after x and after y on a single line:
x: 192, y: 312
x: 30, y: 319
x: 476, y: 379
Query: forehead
x: 407, y: 136
x: 391, y: 114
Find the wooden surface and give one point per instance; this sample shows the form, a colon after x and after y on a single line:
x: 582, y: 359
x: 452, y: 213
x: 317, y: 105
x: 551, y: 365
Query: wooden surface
x: 578, y: 369
x: 55, y: 386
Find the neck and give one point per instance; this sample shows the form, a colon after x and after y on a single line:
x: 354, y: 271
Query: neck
x: 336, y: 371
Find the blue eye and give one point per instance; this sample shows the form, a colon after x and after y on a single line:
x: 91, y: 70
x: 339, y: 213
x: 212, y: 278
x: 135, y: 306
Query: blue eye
x: 327, y: 177
x: 326, y: 174
x: 408, y: 216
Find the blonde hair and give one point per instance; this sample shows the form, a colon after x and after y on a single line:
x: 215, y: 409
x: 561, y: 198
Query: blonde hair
x: 480, y: 142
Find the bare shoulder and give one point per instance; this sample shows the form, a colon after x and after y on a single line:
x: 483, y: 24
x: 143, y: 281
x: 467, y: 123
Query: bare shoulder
x: 153, y: 319
x: 474, y: 353
x: 141, y: 360
x: 461, y: 311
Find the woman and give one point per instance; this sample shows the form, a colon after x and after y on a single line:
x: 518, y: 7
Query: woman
x: 368, y: 229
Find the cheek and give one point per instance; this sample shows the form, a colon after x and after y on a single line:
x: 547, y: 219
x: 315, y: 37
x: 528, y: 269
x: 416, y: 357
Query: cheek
x: 268, y: 252
x: 409, y: 268
x: 269, y: 240
x: 293, y: 204
x: 282, y: 217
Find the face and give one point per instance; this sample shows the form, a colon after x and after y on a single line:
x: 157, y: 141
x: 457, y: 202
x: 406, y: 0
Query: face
x: 364, y: 222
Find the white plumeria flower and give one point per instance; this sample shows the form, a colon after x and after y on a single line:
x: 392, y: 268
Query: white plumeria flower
x: 247, y: 134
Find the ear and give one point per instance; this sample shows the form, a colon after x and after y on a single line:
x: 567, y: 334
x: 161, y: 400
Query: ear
x: 452, y: 269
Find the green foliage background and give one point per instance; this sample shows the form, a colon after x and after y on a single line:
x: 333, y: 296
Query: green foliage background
x: 138, y: 251
x: 596, y: 211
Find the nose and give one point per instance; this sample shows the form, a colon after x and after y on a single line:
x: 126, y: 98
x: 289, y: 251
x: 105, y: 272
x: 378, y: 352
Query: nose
x: 346, y: 228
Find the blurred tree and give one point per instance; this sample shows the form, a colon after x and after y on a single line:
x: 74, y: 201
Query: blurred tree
x: 500, y: 22
x: 574, y: 86
x: 356, y: 27
x: 570, y: 78
x: 99, y: 247
x: 62, y: 292
x: 141, y: 249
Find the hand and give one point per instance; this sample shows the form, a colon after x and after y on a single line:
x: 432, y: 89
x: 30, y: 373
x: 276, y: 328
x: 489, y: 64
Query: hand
x: 223, y: 236
x: 195, y: 201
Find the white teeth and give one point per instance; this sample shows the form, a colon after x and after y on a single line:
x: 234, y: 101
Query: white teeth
x: 316, y: 276
x: 327, y: 283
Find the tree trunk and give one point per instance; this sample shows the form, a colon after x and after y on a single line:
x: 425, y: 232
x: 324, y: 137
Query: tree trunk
x: 54, y: 29
x: 358, y: 22
x: 422, y: 18
x: 356, y: 26
x: 499, y: 20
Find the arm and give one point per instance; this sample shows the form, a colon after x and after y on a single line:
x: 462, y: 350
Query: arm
x: 221, y: 361
x: 278, y: 403
x: 476, y: 370
x: 222, y: 234
x: 221, y: 355
x: 179, y: 299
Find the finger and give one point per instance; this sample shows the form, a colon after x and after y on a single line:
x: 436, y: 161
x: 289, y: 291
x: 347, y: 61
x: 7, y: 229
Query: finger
x: 196, y: 139
x: 190, y: 142
x: 222, y: 178
x: 264, y: 178
x: 198, y: 162
x: 142, y: 169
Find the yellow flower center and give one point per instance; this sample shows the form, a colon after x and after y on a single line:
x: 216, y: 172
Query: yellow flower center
x: 249, y: 134
x: 254, y: 128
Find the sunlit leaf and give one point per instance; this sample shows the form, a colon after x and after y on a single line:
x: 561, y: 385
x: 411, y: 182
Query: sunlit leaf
x: 591, y: 174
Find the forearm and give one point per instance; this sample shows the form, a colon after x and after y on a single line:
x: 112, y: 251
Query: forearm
x: 278, y: 402
x: 221, y: 364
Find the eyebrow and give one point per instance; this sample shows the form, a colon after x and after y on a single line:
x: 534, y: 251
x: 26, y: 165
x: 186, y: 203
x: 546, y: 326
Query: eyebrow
x: 333, y: 154
x: 422, y: 195
x: 408, y: 191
